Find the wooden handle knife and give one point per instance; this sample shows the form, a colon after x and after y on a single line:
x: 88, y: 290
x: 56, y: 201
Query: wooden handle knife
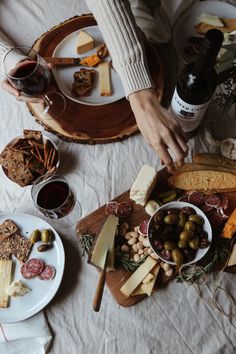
x: 62, y: 61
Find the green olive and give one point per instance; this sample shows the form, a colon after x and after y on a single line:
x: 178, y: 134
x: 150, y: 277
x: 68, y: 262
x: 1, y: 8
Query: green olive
x: 197, y: 219
x: 35, y: 236
x: 194, y: 243
x: 44, y: 247
x: 169, y: 245
x: 46, y: 236
x: 182, y: 219
x: 171, y: 219
x: 189, y: 225
x: 182, y: 244
x: 186, y: 235
x: 177, y: 256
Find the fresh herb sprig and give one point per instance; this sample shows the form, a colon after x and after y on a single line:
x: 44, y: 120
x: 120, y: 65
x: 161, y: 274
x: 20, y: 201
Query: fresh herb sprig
x: 128, y: 264
x: 86, y: 241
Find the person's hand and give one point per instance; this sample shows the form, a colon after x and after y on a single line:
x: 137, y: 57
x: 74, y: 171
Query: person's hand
x: 159, y: 129
x: 6, y: 85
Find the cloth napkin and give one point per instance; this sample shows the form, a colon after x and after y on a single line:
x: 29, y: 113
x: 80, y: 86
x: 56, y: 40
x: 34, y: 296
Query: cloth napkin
x: 29, y: 336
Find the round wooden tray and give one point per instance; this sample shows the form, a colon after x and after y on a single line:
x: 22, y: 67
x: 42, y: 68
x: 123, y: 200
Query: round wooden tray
x: 92, y: 124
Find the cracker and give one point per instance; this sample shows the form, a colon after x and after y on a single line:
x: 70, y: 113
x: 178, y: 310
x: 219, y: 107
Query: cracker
x: 7, y: 229
x: 33, y: 134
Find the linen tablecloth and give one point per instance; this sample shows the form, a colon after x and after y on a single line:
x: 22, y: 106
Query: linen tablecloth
x: 172, y: 321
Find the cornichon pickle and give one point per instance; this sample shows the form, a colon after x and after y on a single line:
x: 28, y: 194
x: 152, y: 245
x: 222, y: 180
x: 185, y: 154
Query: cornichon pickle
x: 196, y: 218
x: 182, y: 219
x: 171, y: 219
x: 194, y: 243
x: 182, y: 244
x: 186, y: 235
x: 169, y: 245
x: 189, y: 225
x: 44, y: 247
x: 177, y: 256
x: 35, y: 236
x: 46, y: 236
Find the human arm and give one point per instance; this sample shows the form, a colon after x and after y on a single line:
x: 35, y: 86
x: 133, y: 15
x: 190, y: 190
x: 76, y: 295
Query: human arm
x: 124, y: 41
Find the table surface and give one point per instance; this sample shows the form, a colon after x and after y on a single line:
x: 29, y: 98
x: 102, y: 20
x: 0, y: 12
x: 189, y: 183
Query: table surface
x: 173, y: 320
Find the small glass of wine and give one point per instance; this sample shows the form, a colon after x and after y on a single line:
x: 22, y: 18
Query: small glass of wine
x: 27, y: 71
x: 56, y: 200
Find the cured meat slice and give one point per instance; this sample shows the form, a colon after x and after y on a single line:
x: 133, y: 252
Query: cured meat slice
x: 48, y: 273
x: 34, y: 266
x: 196, y: 198
x: 25, y: 274
x: 143, y: 227
x: 215, y: 219
x: 123, y: 209
x: 213, y: 200
x: 184, y: 198
x: 225, y: 212
x: 224, y: 202
x: 111, y: 208
x: 206, y: 208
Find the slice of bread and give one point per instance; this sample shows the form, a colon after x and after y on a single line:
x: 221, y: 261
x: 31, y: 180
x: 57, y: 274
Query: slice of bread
x: 214, y: 160
x: 206, y: 181
x: 186, y: 167
x: 229, y: 26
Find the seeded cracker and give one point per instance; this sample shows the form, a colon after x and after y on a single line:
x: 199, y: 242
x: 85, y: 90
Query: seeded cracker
x: 7, y: 229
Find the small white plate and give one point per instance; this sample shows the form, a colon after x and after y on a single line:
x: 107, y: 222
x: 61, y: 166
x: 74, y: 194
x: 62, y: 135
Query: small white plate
x: 64, y: 76
x: 42, y: 291
x: 184, y: 27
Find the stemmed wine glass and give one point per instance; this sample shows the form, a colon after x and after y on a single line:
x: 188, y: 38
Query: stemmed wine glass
x: 27, y: 71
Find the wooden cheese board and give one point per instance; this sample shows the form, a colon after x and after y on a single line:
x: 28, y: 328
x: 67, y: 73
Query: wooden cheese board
x: 85, y: 123
x: 93, y: 223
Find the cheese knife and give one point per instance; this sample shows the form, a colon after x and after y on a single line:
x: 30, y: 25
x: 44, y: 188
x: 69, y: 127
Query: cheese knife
x: 63, y: 61
x: 100, y: 287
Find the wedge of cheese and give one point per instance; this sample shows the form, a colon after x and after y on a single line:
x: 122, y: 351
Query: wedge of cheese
x: 210, y: 20
x: 137, y: 277
x: 147, y: 288
x: 105, y: 244
x: 143, y: 185
x: 85, y: 42
x: 5, y: 280
x: 104, y: 78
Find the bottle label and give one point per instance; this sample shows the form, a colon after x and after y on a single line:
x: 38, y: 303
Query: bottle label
x: 189, y: 116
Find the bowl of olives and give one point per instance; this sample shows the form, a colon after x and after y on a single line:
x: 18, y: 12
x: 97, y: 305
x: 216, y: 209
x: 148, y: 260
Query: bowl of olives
x: 179, y: 233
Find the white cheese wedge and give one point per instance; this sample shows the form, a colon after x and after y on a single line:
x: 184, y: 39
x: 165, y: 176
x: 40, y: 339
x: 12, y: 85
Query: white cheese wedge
x: 17, y: 288
x: 143, y: 185
x: 5, y: 279
x: 104, y: 78
x: 137, y: 277
x: 146, y: 289
x: 85, y: 42
x: 232, y: 258
x: 105, y: 243
x: 210, y: 20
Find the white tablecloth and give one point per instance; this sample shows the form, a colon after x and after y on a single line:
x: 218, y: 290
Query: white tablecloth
x: 172, y: 321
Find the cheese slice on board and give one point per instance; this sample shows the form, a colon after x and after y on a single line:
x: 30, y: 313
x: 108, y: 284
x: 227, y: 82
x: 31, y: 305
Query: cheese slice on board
x: 105, y: 244
x: 146, y: 289
x: 104, y: 78
x: 143, y: 185
x: 5, y: 280
x: 137, y: 277
x: 85, y: 42
x: 210, y: 20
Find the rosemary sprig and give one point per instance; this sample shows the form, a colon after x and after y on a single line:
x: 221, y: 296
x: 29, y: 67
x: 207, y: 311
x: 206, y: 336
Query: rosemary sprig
x: 214, y: 259
x: 127, y: 263
x: 86, y: 241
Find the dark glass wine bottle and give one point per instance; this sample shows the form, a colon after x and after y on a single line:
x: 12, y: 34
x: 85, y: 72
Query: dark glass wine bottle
x: 197, y: 83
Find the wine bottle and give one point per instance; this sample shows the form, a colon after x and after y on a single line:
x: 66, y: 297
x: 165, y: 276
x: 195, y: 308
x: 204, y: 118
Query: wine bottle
x: 196, y: 84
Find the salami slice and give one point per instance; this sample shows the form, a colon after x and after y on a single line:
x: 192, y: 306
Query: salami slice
x: 34, y: 266
x: 225, y: 212
x: 196, y: 198
x: 123, y: 209
x: 48, y: 273
x: 213, y: 200
x: 143, y: 227
x: 184, y: 198
x: 215, y: 219
x: 111, y: 208
x: 224, y: 202
x: 25, y: 274
x: 206, y: 208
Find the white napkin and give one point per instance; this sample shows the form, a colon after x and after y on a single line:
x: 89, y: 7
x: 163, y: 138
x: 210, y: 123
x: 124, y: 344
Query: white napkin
x: 29, y: 336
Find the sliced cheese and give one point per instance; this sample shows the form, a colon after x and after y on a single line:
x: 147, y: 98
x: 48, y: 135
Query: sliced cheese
x: 136, y: 278
x: 104, y: 78
x: 85, y: 42
x: 148, y: 278
x: 210, y: 20
x: 143, y: 185
x: 105, y: 243
x: 148, y: 288
x: 232, y: 258
x: 17, y: 288
x: 5, y: 280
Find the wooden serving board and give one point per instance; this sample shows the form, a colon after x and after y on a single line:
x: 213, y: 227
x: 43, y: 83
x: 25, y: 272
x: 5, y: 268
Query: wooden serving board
x: 92, y: 124
x: 93, y: 223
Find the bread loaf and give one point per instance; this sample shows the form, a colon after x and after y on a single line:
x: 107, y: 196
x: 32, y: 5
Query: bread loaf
x: 205, y: 181
x: 214, y: 160
x: 186, y: 167
x: 229, y: 26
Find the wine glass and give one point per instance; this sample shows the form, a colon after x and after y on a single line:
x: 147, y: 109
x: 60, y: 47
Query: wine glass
x: 55, y: 198
x: 27, y: 71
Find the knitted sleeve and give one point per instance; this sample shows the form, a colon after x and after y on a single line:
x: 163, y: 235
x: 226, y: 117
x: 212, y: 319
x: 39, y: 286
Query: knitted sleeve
x: 124, y: 41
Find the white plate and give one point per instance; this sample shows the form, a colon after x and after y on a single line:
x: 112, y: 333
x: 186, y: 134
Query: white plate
x: 184, y: 27
x: 64, y: 76
x: 42, y: 291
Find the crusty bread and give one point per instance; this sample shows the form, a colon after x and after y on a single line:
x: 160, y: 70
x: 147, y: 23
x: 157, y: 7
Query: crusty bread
x: 206, y: 181
x: 186, y: 167
x: 229, y: 26
x: 214, y: 160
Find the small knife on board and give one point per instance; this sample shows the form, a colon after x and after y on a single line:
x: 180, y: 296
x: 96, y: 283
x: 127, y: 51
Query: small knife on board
x: 63, y: 61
